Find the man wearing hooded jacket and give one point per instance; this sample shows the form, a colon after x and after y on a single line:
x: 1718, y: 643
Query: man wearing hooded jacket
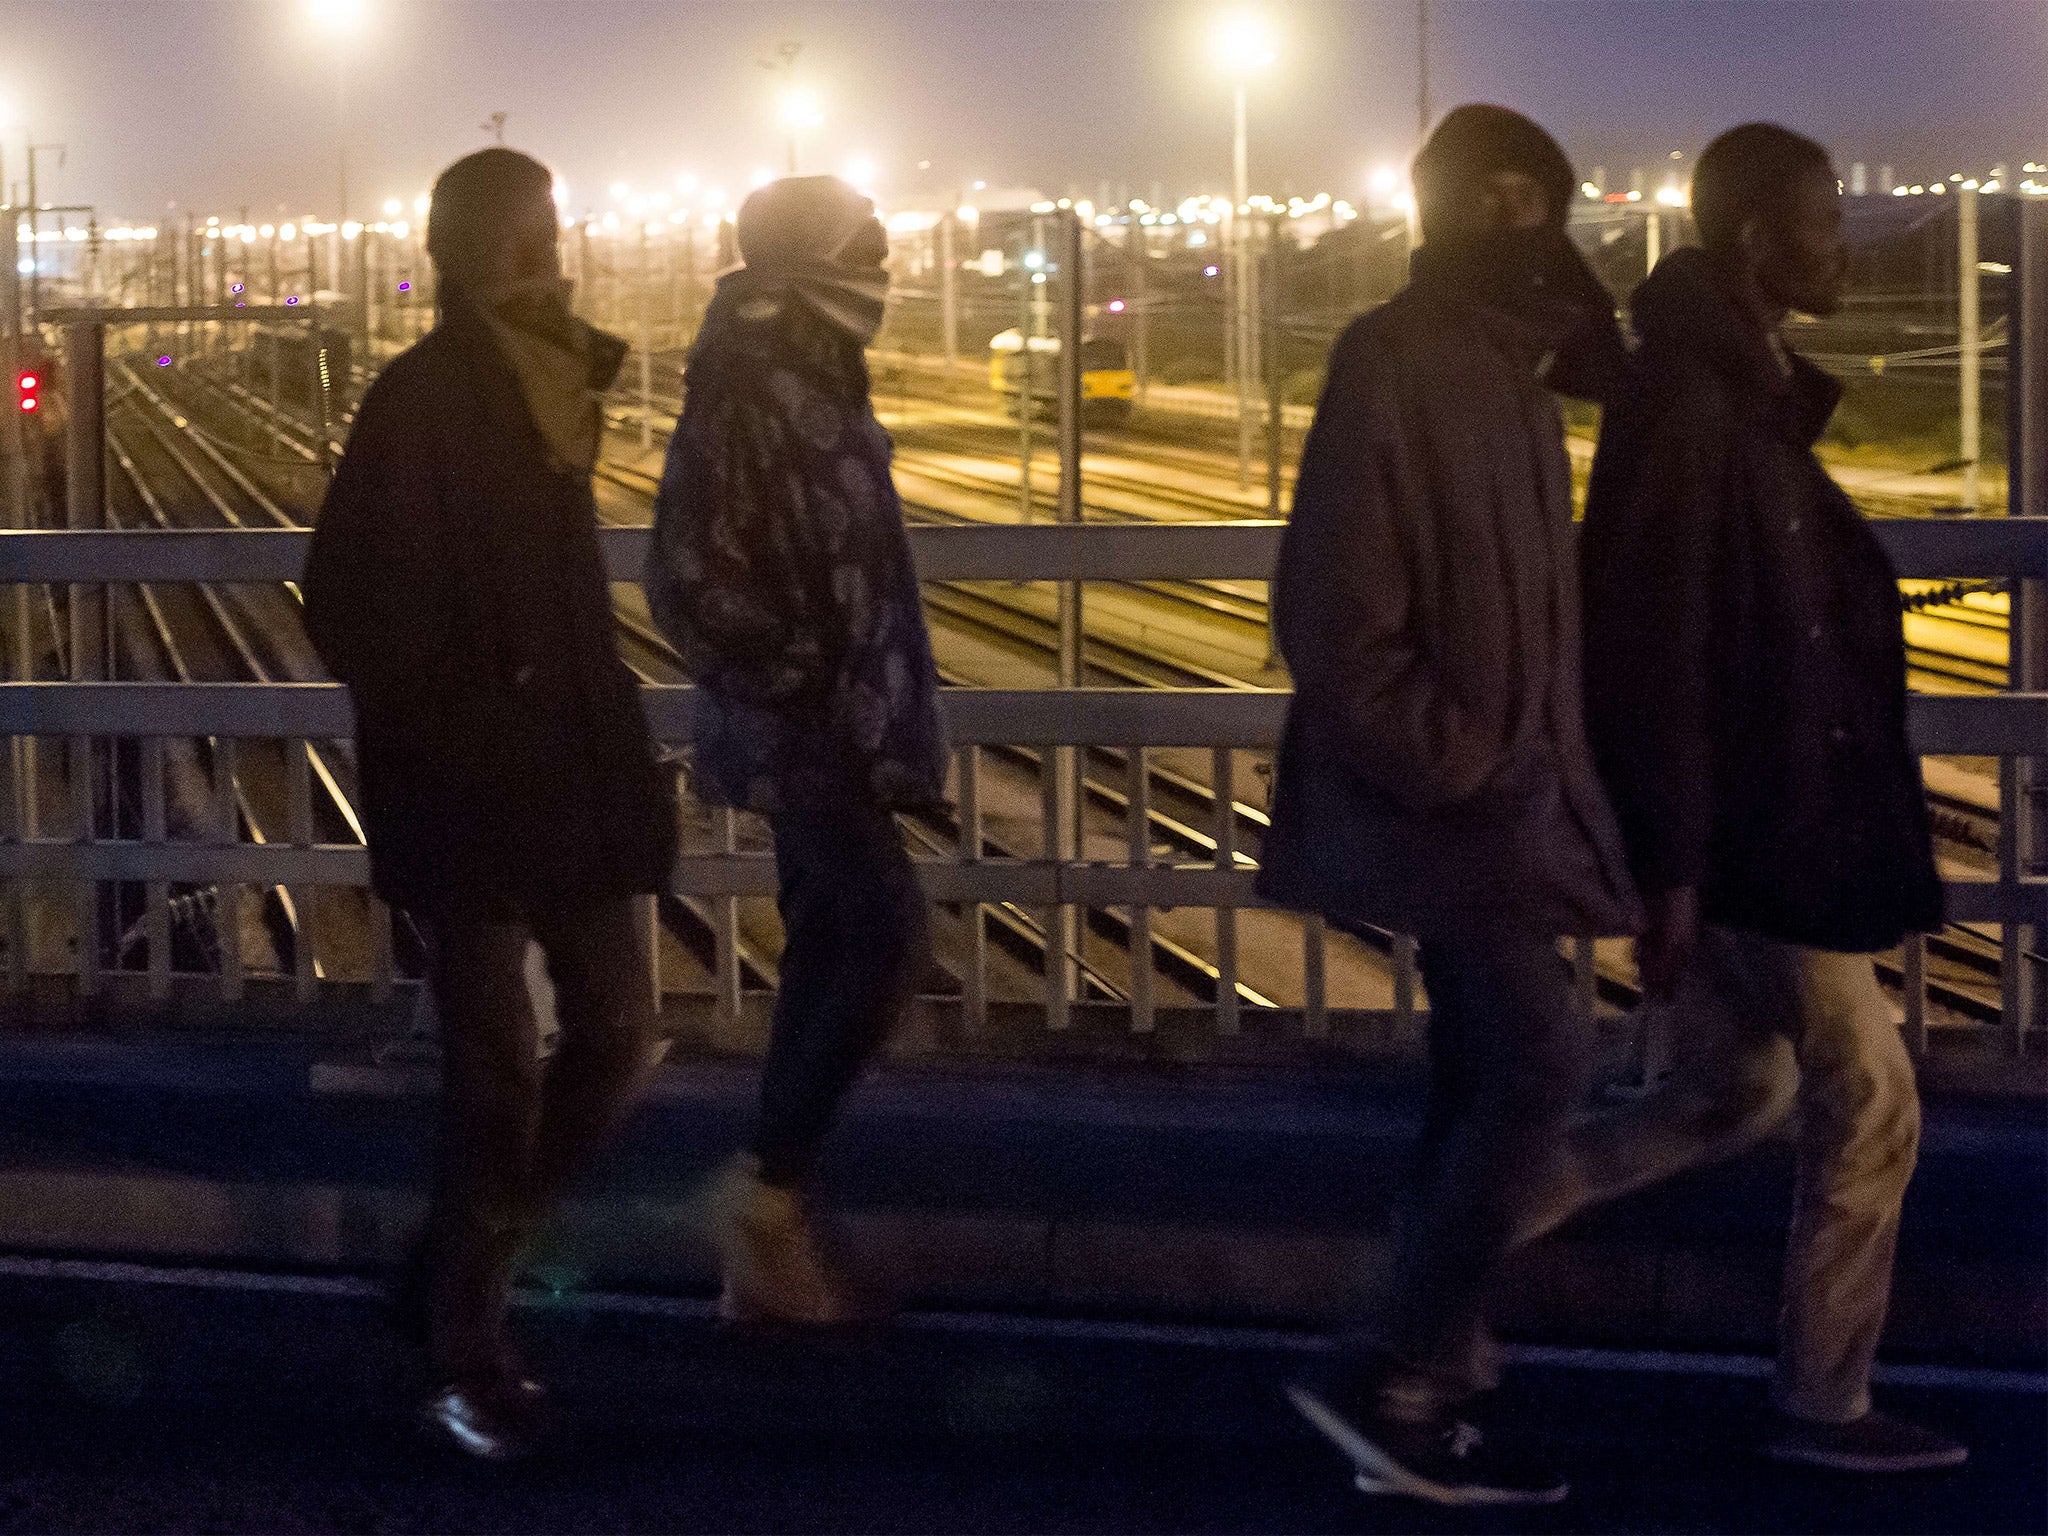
x: 512, y: 794
x: 1746, y: 697
x: 1434, y: 777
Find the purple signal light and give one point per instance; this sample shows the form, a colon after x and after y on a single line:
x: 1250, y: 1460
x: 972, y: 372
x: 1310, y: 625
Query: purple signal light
x: 405, y: 287
x: 235, y: 288
x: 163, y: 362
x: 1206, y: 272
x: 293, y: 299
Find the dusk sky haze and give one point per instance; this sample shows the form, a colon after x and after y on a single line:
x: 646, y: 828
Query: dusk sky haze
x: 218, y: 104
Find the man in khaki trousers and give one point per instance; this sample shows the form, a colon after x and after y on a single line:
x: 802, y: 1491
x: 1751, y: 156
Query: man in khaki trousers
x: 1745, y: 685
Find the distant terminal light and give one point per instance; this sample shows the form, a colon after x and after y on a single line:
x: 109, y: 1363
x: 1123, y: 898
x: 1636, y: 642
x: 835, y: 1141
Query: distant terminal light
x: 235, y: 288
x: 1211, y: 271
x: 1116, y: 306
x: 293, y: 299
x: 164, y: 361
x: 405, y: 287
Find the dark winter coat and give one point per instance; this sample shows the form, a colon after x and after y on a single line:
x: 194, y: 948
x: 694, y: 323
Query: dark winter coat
x: 1434, y: 775
x: 455, y: 585
x: 1745, y: 665
x: 781, y: 573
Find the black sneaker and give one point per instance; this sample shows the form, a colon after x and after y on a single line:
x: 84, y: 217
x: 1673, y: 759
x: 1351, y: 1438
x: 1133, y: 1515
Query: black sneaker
x: 1444, y: 1461
x: 1876, y: 1442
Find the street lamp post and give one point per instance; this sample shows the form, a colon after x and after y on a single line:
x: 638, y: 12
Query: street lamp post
x: 1242, y: 46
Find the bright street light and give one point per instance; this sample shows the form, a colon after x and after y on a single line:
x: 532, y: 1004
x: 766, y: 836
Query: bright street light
x: 799, y: 112
x: 1243, y: 43
x: 859, y: 172
x: 338, y: 17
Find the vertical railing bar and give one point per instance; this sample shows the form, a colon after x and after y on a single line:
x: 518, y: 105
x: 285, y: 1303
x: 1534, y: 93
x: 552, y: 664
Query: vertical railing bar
x: 16, y: 891
x: 1138, y: 833
x: 1404, y: 985
x: 1913, y: 955
x: 975, y: 983
x: 157, y: 919
x: 227, y: 919
x: 1223, y: 788
x: 299, y: 792
x: 1060, y: 948
x: 1315, y: 949
x: 726, y: 934
x: 86, y: 893
x: 2012, y: 979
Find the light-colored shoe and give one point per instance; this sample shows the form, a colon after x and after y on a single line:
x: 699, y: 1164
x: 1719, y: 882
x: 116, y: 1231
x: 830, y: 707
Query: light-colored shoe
x: 1875, y: 1443
x: 775, y: 1268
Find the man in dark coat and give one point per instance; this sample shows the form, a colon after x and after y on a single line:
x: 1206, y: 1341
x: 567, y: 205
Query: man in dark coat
x: 1434, y: 777
x: 1746, y: 691
x: 512, y: 792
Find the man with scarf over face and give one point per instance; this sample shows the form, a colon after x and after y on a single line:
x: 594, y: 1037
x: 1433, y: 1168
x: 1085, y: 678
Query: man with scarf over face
x: 781, y: 573
x: 512, y: 792
x: 1434, y: 777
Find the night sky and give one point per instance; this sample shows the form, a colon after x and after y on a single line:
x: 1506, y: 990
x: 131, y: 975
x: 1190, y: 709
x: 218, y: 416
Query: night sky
x: 220, y: 103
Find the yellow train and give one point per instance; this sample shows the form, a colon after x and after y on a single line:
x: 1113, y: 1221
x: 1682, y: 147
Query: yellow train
x: 1107, y: 382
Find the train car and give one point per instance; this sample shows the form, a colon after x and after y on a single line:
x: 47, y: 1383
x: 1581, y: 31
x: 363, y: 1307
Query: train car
x: 289, y: 358
x: 1107, y: 383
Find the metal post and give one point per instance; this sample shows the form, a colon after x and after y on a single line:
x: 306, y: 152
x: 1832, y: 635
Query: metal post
x: 1141, y: 321
x: 1276, y: 377
x: 1027, y: 403
x: 1240, y: 286
x: 949, y: 298
x: 1970, y: 333
x: 1653, y: 239
x: 13, y: 459
x: 85, y: 476
x: 35, y: 253
x: 86, y: 507
x: 1067, y: 760
x: 646, y: 339
x: 2027, y: 473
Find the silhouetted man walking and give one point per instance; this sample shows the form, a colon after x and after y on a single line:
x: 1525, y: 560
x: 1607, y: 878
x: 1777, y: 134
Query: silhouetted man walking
x: 1746, y: 685
x: 455, y: 585
x: 1435, y: 778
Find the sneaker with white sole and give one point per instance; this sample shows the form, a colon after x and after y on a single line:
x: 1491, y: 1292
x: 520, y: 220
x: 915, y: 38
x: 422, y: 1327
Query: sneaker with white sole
x: 1875, y: 1443
x: 1447, y: 1461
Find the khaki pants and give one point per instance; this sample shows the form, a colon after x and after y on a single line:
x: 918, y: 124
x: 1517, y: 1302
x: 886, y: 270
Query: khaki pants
x: 1760, y: 1027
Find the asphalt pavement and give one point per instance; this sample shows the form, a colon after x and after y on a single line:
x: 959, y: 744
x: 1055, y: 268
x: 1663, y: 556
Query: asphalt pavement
x: 156, y: 1400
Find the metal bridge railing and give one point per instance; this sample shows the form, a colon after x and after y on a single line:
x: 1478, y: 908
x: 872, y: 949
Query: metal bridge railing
x: 1228, y: 724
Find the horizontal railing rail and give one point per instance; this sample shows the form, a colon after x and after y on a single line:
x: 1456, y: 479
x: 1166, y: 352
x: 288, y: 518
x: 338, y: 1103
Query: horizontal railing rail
x: 2008, y: 726
x: 1957, y: 548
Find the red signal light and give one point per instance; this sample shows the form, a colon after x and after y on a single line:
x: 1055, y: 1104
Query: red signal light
x: 27, y: 385
x: 30, y: 383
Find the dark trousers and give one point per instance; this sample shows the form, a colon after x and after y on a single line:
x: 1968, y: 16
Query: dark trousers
x: 857, y: 936
x: 1510, y: 1065
x: 516, y: 1131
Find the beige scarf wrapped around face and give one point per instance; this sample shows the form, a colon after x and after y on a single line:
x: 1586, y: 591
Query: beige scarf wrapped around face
x: 564, y: 364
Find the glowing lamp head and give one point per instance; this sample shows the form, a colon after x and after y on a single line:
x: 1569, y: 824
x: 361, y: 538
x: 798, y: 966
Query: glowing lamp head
x: 338, y: 18
x: 1116, y: 306
x: 1242, y: 44
x: 800, y: 109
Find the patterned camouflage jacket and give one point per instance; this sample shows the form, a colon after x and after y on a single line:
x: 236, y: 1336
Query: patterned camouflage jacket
x: 780, y: 571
